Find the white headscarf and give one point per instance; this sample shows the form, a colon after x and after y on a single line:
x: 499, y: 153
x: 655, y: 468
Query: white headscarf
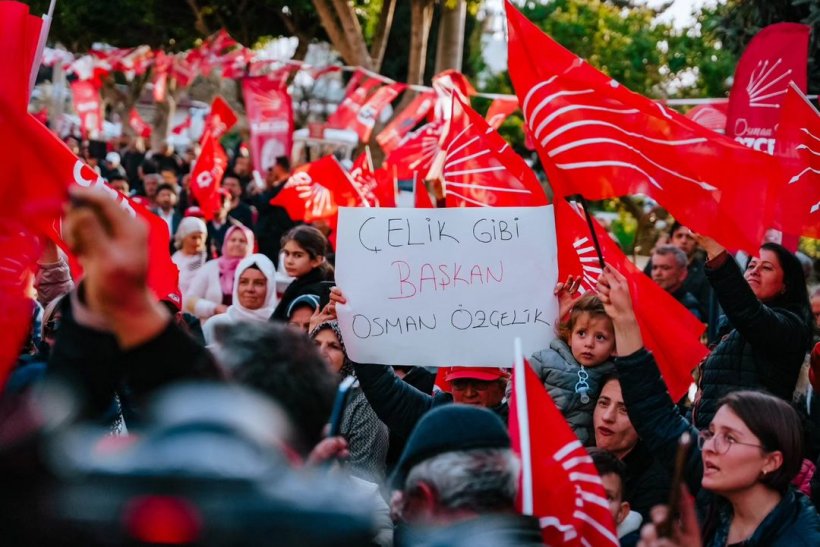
x: 237, y: 312
x: 188, y: 226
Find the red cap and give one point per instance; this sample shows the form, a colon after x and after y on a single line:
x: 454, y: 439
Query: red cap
x: 194, y: 211
x: 487, y: 374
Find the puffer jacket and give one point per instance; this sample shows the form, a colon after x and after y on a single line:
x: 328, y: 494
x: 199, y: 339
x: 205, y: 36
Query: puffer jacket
x: 559, y: 371
x: 794, y: 521
x: 764, y: 350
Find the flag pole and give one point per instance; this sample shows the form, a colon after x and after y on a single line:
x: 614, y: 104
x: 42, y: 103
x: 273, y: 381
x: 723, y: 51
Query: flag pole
x: 583, y: 202
x: 522, y: 413
x: 41, y: 45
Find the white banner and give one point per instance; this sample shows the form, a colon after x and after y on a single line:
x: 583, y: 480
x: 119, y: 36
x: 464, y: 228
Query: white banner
x: 444, y: 287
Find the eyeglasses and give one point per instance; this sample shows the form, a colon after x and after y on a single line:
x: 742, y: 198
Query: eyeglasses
x: 462, y: 384
x: 722, y: 443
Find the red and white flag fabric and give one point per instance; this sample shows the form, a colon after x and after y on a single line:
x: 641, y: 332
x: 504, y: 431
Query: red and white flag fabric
x: 270, y: 116
x: 480, y: 169
x: 162, y: 69
x: 559, y: 482
x: 220, y: 119
x: 368, y: 113
x: 357, y: 92
x: 601, y: 140
x: 776, y: 55
x: 207, y: 174
x: 88, y: 105
x: 798, y: 145
x: 416, y: 152
x: 316, y: 190
x: 446, y: 84
x: 669, y: 330
x: 183, y: 127
x: 138, y: 124
x: 712, y: 116
x: 500, y: 110
x: 390, y: 137
x: 387, y: 186
x: 365, y: 180
x: 421, y: 197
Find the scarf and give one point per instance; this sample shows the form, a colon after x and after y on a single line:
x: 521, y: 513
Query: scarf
x: 237, y: 312
x: 228, y: 264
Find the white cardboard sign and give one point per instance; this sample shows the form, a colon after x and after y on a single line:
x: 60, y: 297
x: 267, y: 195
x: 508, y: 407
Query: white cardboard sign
x: 445, y: 287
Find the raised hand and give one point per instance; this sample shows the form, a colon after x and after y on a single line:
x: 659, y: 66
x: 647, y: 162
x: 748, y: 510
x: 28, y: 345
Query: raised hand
x: 567, y: 293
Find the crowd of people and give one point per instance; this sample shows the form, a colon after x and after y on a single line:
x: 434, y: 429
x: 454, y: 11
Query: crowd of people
x: 236, y: 417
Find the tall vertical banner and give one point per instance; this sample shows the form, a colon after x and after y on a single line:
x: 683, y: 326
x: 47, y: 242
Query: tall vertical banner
x: 270, y: 116
x: 88, y: 106
x: 777, y: 55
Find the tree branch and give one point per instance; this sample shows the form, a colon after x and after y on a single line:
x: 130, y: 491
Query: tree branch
x: 353, y: 32
x: 334, y: 30
x: 200, y: 25
x: 379, y: 45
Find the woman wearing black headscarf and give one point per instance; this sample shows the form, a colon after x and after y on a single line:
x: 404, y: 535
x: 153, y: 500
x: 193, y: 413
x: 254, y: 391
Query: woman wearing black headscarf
x: 767, y: 328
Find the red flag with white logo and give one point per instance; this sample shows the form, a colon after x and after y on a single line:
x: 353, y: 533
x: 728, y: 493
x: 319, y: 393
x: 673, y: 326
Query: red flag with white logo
x: 712, y: 116
x: 500, y: 110
x: 559, y: 482
x: 364, y: 178
x: 138, y: 124
x: 316, y: 191
x: 798, y: 144
x: 776, y: 55
x: 207, y: 174
x: 88, y: 106
x: 668, y: 328
x: 480, y: 168
x: 390, y: 137
x: 599, y: 139
x: 162, y: 68
x: 220, y: 119
x: 270, y: 116
x: 358, y: 90
x: 416, y: 152
x: 368, y: 113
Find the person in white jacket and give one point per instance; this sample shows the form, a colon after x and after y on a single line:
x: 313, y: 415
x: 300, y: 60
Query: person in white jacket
x: 211, y: 291
x: 254, y: 295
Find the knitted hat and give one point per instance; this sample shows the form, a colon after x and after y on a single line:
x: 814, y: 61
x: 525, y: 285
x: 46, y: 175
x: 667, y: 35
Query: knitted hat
x: 450, y: 428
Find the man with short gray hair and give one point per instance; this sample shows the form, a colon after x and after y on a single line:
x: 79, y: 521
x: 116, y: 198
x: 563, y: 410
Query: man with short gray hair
x: 669, y: 271
x: 458, y: 480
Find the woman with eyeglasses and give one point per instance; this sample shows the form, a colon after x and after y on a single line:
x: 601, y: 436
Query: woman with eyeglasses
x: 745, y: 459
x: 767, y: 328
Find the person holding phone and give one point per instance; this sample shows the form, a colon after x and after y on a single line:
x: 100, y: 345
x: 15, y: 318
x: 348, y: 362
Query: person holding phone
x: 745, y: 459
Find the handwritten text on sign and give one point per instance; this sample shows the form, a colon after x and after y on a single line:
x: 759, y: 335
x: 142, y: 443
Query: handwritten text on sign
x: 442, y: 287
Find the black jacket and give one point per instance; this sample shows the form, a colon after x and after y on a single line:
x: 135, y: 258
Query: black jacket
x: 398, y: 404
x: 659, y: 424
x: 311, y: 283
x: 764, y: 349
x: 646, y: 482
x: 272, y: 223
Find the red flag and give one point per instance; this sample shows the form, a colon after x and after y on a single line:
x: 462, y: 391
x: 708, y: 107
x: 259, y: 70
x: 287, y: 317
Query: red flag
x: 387, y: 187
x: 316, y: 191
x: 364, y: 178
x: 776, y: 55
x: 235, y: 64
x: 447, y: 83
x: 356, y: 94
x: 19, y: 36
x: 207, y: 174
x: 140, y: 127
x: 162, y: 66
x: 559, y: 482
x: 220, y: 119
x: 421, y: 197
x: 711, y: 116
x: 597, y: 138
x: 407, y: 119
x: 416, y: 152
x: 500, y: 110
x: 270, y: 116
x: 480, y: 168
x: 368, y: 114
x: 88, y: 106
x: 798, y: 143
x: 183, y: 69
x: 667, y: 327
x: 183, y: 127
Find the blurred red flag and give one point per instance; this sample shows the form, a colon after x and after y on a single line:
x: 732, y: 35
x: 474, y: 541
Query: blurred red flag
x: 368, y: 113
x: 358, y: 90
x: 711, y: 116
x: 386, y: 187
x: 364, y: 178
x: 421, y: 197
x: 416, y: 152
x: 207, y: 174
x: 797, y: 209
x: 88, y: 105
x: 162, y: 67
x: 559, y: 482
x: 598, y: 139
x: 776, y: 55
x: 183, y: 127
x: 316, y: 191
x: 668, y: 328
x: 220, y: 119
x: 500, y: 110
x: 270, y: 116
x: 391, y: 136
x: 480, y: 168
x: 138, y: 124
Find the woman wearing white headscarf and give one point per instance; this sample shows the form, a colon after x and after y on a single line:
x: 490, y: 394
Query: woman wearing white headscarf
x: 190, y: 240
x: 254, y: 295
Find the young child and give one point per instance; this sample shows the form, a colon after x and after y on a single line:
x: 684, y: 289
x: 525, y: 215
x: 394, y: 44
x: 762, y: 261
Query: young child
x: 613, y: 472
x: 574, y: 364
x: 303, y: 253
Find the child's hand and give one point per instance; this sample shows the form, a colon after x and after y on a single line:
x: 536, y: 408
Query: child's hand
x: 567, y: 293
